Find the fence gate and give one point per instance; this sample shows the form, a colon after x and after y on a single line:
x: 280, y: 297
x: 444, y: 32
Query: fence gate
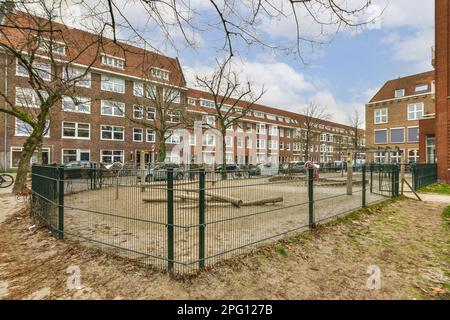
x: 384, y: 179
x: 47, y: 202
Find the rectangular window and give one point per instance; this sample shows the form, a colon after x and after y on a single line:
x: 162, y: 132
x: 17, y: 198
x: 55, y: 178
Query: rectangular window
x: 137, y: 134
x: 111, y: 156
x: 16, y: 153
x: 413, y: 134
x: 399, y: 93
x: 41, y: 69
x: 150, y: 91
x: 138, y: 89
x: 160, y: 73
x: 71, y: 155
x: 151, y: 113
x: 259, y: 114
x: 112, y: 133
x: 114, y: 62
x: 229, y: 141
x: 398, y: 135
x: 260, y: 144
x: 381, y: 116
x: 413, y: 155
x: 209, y: 121
x: 192, y: 139
x: 415, y: 111
x: 239, y: 142
x: 112, y: 84
x: 112, y: 108
x: 150, y: 137
x: 208, y: 140
x: 207, y: 104
x: 421, y: 88
x: 273, y: 131
x: 26, y: 97
x: 23, y: 129
x: 273, y: 144
x: 172, y: 137
x: 171, y: 95
x: 381, y: 136
x: 76, y: 104
x: 138, y: 112
x: 52, y: 46
x: 191, y: 101
x: 261, y: 128
x: 76, y: 130
x: 80, y: 77
x: 174, y: 116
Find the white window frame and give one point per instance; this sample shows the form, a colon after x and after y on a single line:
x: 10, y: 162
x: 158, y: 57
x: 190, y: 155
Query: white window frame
x: 148, y: 132
x: 117, y: 110
x: 396, y: 95
x: 112, y: 84
x: 390, y: 135
x: 407, y: 133
x: 209, y: 142
x: 160, y: 73
x: 84, y: 81
x: 113, y: 156
x: 150, y: 110
x: 141, y: 133
x: 113, y: 127
x: 29, y: 128
x: 59, y: 45
x: 138, y: 109
x: 76, y: 106
x: 78, y: 153
x: 34, y: 103
x: 76, y: 137
x: 112, y: 61
x: 387, y: 136
x: 378, y: 115
x: 415, y: 111
x: 138, y: 89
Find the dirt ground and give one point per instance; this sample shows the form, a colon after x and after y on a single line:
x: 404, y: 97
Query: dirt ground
x: 407, y: 240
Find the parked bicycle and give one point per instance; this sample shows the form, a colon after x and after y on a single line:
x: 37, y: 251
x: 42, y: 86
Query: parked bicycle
x: 6, y: 180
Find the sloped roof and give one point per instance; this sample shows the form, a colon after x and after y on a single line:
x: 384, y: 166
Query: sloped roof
x: 408, y: 83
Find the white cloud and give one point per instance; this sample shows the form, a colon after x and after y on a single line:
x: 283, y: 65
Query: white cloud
x: 286, y: 88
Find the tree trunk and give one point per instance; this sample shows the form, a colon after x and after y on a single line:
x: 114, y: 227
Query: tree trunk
x: 25, y: 157
x: 162, y: 152
x: 224, y: 155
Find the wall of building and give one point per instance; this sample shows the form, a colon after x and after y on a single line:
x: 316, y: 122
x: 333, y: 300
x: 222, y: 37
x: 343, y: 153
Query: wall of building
x: 397, y: 118
x: 442, y: 61
x: 426, y: 129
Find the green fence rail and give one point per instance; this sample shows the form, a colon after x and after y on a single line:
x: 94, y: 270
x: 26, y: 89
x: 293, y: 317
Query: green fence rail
x: 185, y: 221
x: 423, y: 175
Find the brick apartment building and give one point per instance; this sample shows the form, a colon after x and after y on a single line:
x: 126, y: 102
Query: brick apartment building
x: 95, y: 130
x: 442, y: 68
x: 393, y: 118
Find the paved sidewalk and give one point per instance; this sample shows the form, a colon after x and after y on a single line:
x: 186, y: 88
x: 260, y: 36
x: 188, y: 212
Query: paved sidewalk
x: 435, y: 197
x: 8, y: 203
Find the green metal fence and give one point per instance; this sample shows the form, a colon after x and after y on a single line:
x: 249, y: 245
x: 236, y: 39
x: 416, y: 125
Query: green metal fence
x: 185, y: 222
x: 423, y: 175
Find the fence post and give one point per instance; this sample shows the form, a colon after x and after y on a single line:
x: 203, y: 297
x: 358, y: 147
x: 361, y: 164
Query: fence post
x: 311, y: 197
x: 414, y: 176
x: 364, y: 186
x: 201, y: 219
x: 170, y: 260
x: 61, y: 202
x: 371, y: 177
x: 397, y: 181
x: 350, y: 177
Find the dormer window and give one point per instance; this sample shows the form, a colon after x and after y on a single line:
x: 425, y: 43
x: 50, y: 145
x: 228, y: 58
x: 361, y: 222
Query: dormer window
x: 421, y: 88
x: 160, y: 73
x: 399, y: 93
x: 114, y: 62
x: 54, y: 47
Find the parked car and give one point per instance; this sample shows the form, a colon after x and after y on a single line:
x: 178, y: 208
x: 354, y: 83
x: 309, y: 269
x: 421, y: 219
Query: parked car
x: 230, y: 167
x: 159, y: 172
x: 292, y: 167
x: 84, y: 164
x: 252, y: 170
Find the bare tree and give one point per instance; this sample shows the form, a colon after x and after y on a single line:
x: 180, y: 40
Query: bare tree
x: 232, y: 99
x: 313, y: 116
x: 244, y: 22
x: 356, y: 121
x: 163, y: 110
x: 41, y: 50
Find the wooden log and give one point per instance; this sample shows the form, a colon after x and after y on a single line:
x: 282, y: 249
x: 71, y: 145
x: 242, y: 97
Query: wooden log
x: 210, y: 205
x: 263, y: 201
x: 234, y: 201
x: 154, y: 200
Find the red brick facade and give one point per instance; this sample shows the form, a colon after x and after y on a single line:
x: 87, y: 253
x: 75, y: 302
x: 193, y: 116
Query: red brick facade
x: 442, y: 65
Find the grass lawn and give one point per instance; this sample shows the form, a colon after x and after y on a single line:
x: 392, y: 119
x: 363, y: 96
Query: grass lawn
x: 438, y: 188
